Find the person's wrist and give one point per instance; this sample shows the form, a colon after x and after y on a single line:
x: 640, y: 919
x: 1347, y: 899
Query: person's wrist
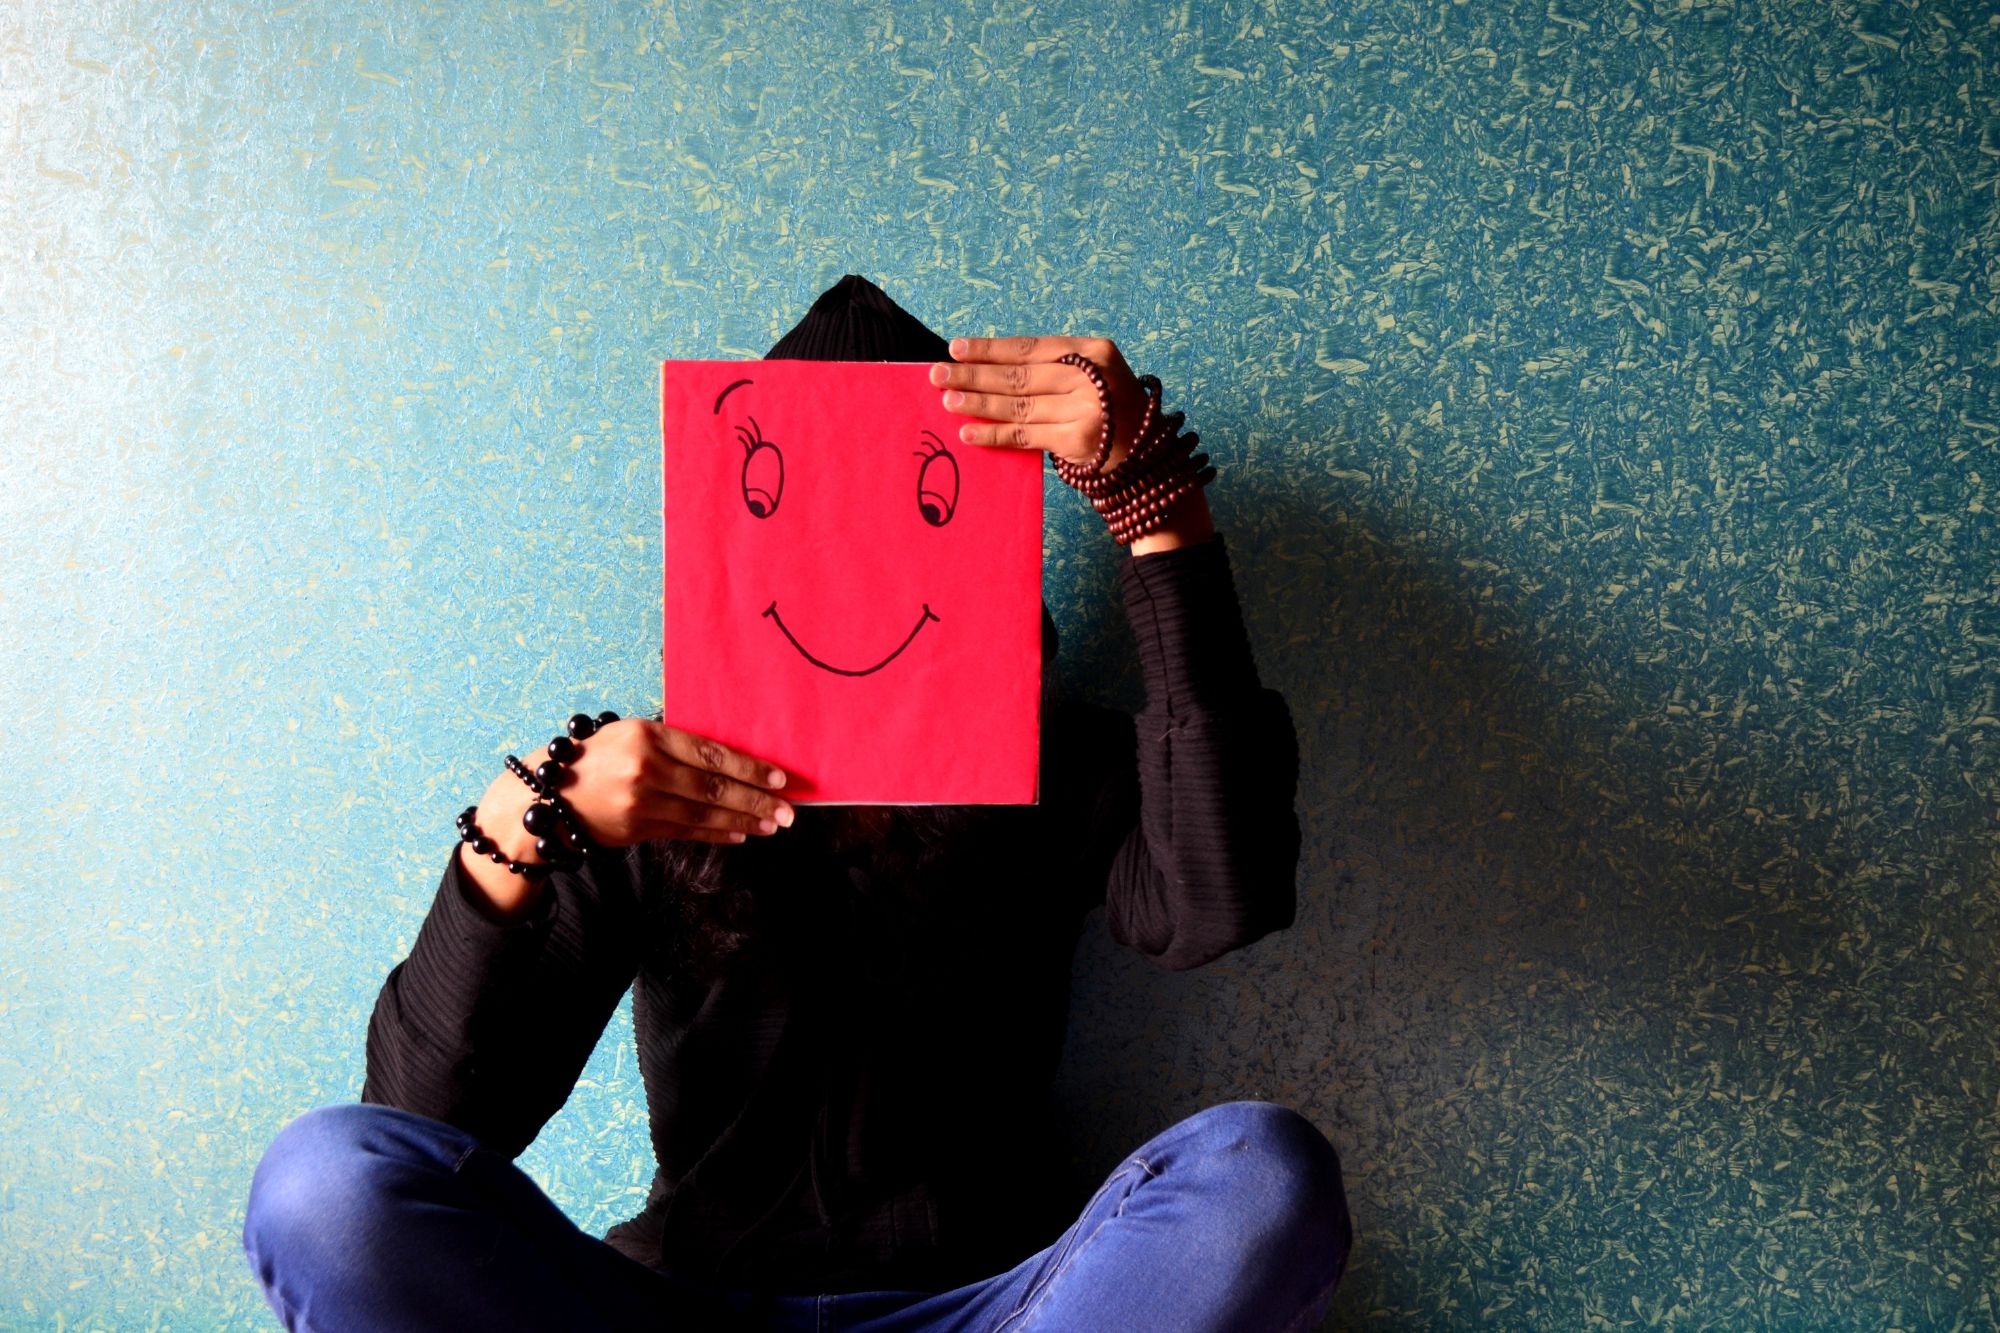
x: 500, y: 811
x: 502, y: 896
x: 1187, y: 523
x: 1144, y: 488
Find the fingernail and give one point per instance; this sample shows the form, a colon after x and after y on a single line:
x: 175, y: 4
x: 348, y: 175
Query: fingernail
x: 767, y: 826
x: 939, y: 372
x: 953, y: 398
x: 776, y: 778
x: 785, y: 816
x: 737, y: 837
x: 958, y: 347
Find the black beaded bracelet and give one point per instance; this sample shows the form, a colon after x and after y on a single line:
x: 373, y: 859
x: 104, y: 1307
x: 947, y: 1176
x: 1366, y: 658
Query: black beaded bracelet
x: 468, y: 832
x: 564, y: 749
x: 560, y: 838
x: 520, y: 770
x: 559, y: 833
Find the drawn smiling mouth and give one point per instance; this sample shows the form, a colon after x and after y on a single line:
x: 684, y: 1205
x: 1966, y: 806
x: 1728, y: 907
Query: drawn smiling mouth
x: 927, y: 616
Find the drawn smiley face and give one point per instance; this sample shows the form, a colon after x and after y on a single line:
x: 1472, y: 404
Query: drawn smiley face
x: 936, y: 478
x: 849, y: 592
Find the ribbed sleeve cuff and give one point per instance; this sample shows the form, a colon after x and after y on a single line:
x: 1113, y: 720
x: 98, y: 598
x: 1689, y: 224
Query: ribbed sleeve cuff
x: 468, y: 917
x: 461, y: 955
x: 1189, y: 626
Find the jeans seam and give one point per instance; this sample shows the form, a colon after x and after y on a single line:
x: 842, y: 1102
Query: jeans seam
x: 1107, y: 1183
x: 1038, y: 1295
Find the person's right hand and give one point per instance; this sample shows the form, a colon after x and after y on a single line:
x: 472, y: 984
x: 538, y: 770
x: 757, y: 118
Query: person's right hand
x: 638, y: 780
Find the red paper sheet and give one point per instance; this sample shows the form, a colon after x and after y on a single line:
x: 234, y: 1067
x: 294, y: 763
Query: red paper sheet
x: 851, y: 593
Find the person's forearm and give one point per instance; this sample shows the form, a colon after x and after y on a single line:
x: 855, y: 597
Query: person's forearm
x: 1190, y: 522
x: 486, y: 1024
x: 508, y: 896
x: 1187, y: 523
x: 1212, y: 865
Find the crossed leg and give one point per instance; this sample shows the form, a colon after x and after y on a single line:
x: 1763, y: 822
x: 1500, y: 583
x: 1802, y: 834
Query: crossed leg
x: 1233, y: 1220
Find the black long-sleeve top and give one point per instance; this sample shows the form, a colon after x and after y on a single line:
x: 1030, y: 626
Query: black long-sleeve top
x: 822, y: 1122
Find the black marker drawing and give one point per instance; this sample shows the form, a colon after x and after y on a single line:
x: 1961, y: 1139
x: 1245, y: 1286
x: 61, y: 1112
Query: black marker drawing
x: 928, y: 616
x: 763, y: 478
x: 763, y: 486
x: 935, y: 504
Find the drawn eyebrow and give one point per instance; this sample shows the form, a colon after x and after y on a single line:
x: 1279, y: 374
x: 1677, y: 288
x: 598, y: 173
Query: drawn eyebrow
x: 725, y: 393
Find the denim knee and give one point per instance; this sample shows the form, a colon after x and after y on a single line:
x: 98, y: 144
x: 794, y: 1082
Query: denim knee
x: 325, y: 1179
x: 1301, y: 1200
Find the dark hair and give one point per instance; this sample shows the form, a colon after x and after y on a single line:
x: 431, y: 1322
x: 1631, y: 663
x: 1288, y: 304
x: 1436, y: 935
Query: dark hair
x: 865, y: 878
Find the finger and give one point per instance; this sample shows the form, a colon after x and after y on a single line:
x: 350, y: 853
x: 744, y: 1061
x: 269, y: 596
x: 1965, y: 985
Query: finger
x: 1035, y: 409
x: 1014, y: 351
x: 1040, y: 377
x: 706, y: 787
x: 1005, y: 435
x: 701, y: 752
x: 690, y: 813
x: 685, y: 834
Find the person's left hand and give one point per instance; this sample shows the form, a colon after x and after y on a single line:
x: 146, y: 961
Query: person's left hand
x: 1028, y: 400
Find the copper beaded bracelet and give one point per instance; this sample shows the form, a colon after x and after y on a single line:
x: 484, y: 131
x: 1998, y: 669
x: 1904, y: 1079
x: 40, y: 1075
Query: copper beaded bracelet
x: 560, y: 838
x: 1150, y: 508
x: 1142, y: 468
x: 1153, y: 427
x: 1095, y: 374
x: 1140, y: 494
x: 1148, y: 515
x: 1178, y: 483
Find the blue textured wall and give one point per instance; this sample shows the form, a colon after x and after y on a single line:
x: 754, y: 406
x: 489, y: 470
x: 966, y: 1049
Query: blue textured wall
x: 1605, y: 403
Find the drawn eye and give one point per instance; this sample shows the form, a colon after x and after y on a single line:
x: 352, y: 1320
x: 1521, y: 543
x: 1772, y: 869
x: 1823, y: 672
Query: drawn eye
x: 937, y: 483
x: 763, y: 471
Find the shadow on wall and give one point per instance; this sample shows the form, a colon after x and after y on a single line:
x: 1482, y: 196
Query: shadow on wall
x: 1541, y: 914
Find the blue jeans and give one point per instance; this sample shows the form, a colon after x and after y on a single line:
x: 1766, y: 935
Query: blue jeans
x: 368, y: 1217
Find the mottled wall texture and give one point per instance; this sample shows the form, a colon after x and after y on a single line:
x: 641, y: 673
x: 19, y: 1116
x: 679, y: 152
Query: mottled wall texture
x: 1604, y: 396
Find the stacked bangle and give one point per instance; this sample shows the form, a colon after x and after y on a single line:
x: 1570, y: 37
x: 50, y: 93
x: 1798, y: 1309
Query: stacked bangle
x: 560, y: 838
x: 1095, y: 373
x: 1160, y: 471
